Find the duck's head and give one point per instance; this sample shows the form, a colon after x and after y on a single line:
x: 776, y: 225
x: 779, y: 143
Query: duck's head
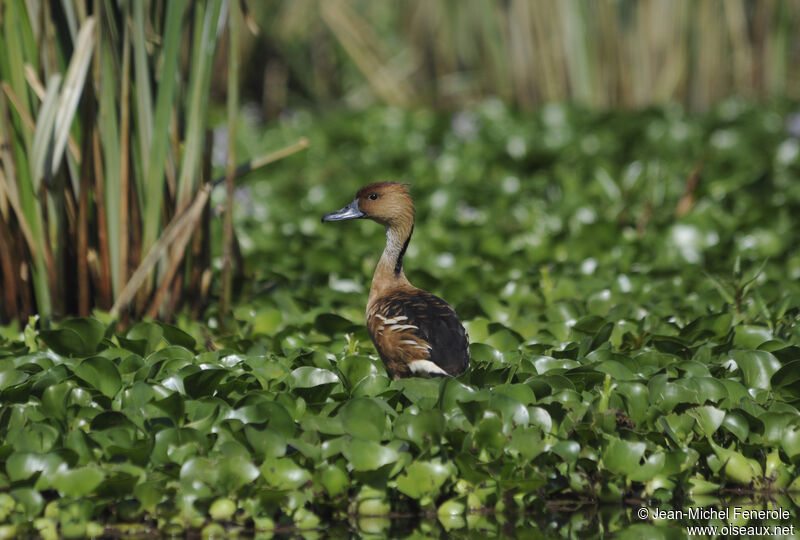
x: 388, y: 203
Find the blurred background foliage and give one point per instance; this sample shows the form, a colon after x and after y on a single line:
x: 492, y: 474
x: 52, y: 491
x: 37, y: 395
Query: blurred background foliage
x: 106, y: 107
x: 450, y: 53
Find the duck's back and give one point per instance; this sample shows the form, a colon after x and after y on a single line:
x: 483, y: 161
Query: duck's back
x: 417, y: 333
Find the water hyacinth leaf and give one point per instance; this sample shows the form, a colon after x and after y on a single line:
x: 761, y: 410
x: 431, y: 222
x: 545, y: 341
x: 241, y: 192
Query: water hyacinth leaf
x: 266, y: 441
x: 511, y: 410
x: 366, y: 455
x: 235, y: 472
x: 111, y: 419
x: 356, y: 367
x: 23, y: 465
x: 204, y: 383
x: 567, y: 450
x: 775, y: 424
x: 541, y: 417
x: 617, y: 370
x: 737, y: 468
x: 91, y: 333
x: 751, y: 336
x: 173, y: 405
x: 590, y: 325
x: 622, y: 457
x: 142, y: 338
x: 636, y: 397
x: 787, y: 377
x: 423, y: 428
x: 175, y: 336
x: 715, y: 325
x: 200, y: 469
x: 331, y: 323
x: 504, y: 340
x: 651, y: 471
x: 284, y: 473
x: 452, y: 392
x: 736, y: 424
x: 77, y: 482
x: 310, y: 377
x: 484, y: 354
x: 371, y: 385
x: 333, y: 479
x: 30, y: 499
x: 757, y: 367
x: 544, y: 364
x: 65, y: 341
x: 424, y: 478
x: 10, y: 377
x: 54, y: 398
x: 790, y: 441
x: 709, y: 418
x: 363, y: 418
x: 424, y: 392
x: 101, y: 374
x: 526, y: 442
x: 489, y: 434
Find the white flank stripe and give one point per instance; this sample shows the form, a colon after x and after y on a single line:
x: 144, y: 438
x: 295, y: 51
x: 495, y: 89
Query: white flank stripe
x: 399, y: 327
x: 426, y: 366
x: 393, y: 320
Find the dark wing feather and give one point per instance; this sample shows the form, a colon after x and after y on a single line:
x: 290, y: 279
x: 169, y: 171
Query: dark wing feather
x: 420, y: 326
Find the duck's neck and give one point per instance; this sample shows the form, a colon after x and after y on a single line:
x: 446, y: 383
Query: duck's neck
x: 389, y: 272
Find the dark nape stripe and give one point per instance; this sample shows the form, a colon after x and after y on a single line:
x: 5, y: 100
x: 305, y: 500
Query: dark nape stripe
x: 398, y: 266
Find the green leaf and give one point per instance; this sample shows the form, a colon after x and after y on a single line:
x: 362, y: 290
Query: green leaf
x: 708, y: 418
x: 284, y: 473
x: 363, y: 418
x: 23, y: 465
x: 204, y: 383
x: 757, y: 367
x: 101, y: 374
x: 424, y: 478
x: 142, y: 338
x: 622, y: 457
x: 333, y: 479
x: 309, y: 377
x: 175, y: 336
x: 65, y: 341
x: 365, y: 455
x: 423, y: 428
x: 78, y: 482
x: 332, y: 324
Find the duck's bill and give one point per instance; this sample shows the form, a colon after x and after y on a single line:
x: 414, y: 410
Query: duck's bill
x: 350, y: 211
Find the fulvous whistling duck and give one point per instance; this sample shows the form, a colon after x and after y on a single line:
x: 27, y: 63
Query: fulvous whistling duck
x: 415, y: 332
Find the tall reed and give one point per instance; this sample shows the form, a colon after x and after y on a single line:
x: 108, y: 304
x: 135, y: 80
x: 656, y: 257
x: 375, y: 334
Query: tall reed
x: 102, y: 150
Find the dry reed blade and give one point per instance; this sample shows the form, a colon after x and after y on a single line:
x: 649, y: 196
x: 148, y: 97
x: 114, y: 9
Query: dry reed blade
x: 187, y: 219
x: 263, y: 161
x: 234, y: 25
x: 71, y: 90
x: 363, y: 46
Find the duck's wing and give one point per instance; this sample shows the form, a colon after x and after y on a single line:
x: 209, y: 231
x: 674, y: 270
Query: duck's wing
x: 418, y: 333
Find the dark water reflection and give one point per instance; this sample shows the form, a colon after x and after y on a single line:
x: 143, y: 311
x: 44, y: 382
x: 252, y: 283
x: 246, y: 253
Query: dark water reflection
x: 778, y: 519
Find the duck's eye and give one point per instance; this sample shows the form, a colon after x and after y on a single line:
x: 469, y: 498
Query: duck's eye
x: 373, y: 196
